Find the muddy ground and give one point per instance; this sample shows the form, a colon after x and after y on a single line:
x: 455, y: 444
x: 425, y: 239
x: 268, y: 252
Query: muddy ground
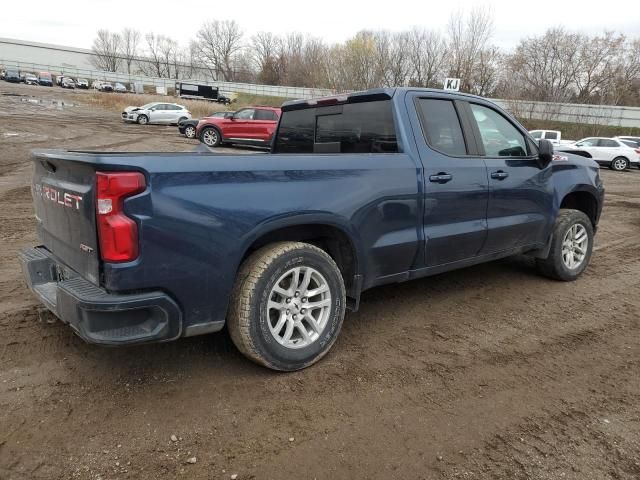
x: 487, y: 372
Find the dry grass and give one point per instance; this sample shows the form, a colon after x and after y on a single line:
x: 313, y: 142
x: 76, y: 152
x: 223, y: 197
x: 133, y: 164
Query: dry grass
x: 116, y: 102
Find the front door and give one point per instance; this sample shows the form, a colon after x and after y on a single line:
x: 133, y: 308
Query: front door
x: 455, y: 181
x: 520, y: 192
x: 237, y: 127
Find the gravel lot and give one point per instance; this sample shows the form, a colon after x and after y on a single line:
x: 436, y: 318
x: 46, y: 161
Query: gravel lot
x: 488, y: 372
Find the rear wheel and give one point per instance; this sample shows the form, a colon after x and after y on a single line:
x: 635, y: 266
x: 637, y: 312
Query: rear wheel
x: 143, y: 119
x: 190, y: 131
x: 571, y: 247
x: 287, y: 306
x: 210, y: 137
x: 619, y: 164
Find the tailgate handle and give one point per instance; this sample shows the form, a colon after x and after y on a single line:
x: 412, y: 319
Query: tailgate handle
x: 48, y: 166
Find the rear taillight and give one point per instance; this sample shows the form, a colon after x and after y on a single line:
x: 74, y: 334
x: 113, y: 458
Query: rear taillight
x: 117, y: 233
x: 637, y: 150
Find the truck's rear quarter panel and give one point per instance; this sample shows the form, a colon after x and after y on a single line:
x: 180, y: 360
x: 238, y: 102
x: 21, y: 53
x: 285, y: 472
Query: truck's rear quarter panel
x: 200, y: 212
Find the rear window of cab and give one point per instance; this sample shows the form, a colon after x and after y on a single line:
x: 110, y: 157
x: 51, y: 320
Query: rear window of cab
x: 366, y: 127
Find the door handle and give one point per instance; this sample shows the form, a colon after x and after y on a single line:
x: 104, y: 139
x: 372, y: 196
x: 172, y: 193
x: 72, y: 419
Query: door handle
x: 441, y: 178
x: 499, y: 175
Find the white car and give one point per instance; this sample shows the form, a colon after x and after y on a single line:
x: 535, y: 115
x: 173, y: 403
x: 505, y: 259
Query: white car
x: 611, y: 152
x: 156, y: 112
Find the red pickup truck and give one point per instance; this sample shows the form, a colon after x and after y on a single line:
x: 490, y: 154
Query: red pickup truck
x: 248, y: 126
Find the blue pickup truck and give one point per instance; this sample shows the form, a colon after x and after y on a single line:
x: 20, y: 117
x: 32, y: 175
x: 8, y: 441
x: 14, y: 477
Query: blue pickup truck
x: 359, y: 190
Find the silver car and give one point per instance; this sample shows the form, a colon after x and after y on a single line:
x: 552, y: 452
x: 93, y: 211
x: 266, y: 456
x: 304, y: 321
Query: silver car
x: 156, y: 112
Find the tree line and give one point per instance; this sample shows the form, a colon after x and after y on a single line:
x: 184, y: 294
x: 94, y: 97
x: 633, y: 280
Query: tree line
x: 556, y: 66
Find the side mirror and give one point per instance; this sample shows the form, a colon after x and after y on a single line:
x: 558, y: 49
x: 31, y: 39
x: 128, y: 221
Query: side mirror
x: 545, y: 153
x: 229, y: 115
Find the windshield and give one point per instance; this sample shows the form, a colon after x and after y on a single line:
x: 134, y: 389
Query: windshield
x: 536, y: 134
x: 148, y: 105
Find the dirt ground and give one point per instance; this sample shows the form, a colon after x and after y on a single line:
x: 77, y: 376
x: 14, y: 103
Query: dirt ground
x: 488, y: 372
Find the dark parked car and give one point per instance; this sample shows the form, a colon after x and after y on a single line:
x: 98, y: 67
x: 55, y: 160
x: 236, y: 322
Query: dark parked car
x: 12, y: 76
x: 44, y: 78
x: 188, y: 127
x: 359, y: 190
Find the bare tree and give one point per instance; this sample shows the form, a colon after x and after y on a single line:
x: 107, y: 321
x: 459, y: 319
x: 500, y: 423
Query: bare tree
x: 597, y: 58
x: 427, y: 55
x: 218, y: 44
x: 545, y: 67
x: 130, y: 42
x: 106, y: 51
x: 153, y: 64
x: 264, y: 48
x: 467, y: 37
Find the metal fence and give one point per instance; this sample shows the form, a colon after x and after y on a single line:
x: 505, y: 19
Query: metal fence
x: 564, y: 112
x: 225, y: 87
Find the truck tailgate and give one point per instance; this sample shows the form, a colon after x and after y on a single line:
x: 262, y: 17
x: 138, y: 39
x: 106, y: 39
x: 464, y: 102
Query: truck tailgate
x: 64, y: 200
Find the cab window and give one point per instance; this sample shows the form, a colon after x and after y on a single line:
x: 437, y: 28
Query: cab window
x: 499, y: 136
x: 265, y: 115
x: 246, y: 114
x: 441, y: 126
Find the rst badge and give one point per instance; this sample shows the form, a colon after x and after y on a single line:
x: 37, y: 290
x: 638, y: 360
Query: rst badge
x: 66, y: 199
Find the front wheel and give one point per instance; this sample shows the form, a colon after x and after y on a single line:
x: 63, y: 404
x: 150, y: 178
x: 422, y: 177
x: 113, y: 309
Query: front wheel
x: 571, y: 246
x: 190, y: 131
x: 288, y: 305
x: 210, y: 137
x: 143, y: 119
x: 619, y: 164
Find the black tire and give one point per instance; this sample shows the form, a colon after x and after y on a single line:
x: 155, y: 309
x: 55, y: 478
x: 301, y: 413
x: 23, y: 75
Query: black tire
x: 554, y: 266
x: 142, y: 119
x: 619, y: 164
x: 190, y: 131
x: 210, y: 136
x: 248, y: 319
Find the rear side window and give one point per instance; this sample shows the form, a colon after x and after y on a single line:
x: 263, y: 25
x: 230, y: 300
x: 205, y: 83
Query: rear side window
x: 366, y: 127
x: 604, y: 142
x: 295, y: 134
x: 499, y: 136
x: 265, y: 115
x: 629, y: 143
x: 441, y: 126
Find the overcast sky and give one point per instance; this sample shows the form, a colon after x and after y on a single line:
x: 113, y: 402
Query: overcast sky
x: 75, y: 23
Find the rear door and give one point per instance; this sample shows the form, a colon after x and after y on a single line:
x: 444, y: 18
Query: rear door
x: 455, y: 180
x: 263, y: 124
x: 520, y: 192
x: 63, y: 193
x: 609, y: 149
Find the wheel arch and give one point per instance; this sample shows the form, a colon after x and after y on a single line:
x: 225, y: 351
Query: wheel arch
x: 205, y: 127
x: 326, y: 233
x: 583, y: 200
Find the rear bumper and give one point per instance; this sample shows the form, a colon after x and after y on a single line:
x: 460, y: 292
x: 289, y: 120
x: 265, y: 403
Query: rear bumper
x: 95, y: 314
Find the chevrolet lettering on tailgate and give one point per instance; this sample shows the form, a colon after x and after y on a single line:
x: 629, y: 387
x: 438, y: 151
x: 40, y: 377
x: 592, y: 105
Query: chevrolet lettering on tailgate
x: 66, y: 199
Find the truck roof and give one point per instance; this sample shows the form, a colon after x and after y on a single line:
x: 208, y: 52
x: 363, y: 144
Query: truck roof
x: 367, y: 96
